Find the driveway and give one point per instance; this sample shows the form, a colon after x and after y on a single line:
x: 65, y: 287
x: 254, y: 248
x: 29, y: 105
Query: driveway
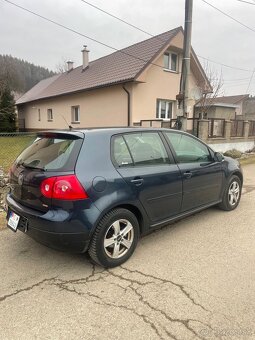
x: 192, y: 280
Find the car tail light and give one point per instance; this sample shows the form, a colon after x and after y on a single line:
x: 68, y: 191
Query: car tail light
x: 63, y: 188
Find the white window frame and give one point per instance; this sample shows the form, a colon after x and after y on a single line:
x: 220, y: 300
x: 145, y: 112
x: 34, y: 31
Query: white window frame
x: 159, y: 103
x: 50, y: 115
x: 73, y: 108
x: 169, y: 67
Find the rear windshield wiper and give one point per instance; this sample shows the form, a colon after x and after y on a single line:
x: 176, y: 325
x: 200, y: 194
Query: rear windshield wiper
x: 31, y: 166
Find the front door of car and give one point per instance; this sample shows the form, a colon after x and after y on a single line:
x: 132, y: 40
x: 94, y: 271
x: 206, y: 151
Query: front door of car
x: 202, y: 175
x: 142, y: 160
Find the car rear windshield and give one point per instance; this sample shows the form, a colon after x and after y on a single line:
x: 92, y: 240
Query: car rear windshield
x: 51, y: 154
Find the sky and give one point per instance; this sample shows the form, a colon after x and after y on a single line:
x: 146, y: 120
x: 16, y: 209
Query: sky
x: 214, y: 35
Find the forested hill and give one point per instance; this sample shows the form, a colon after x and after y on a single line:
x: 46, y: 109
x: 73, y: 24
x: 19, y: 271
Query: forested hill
x: 21, y: 75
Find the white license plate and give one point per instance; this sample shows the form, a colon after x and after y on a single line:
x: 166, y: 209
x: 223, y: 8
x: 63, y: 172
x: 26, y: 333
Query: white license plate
x: 13, y: 220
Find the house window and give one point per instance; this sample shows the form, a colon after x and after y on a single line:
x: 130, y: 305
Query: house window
x: 164, y: 109
x: 50, y: 115
x: 39, y: 115
x: 171, y: 61
x: 75, y: 114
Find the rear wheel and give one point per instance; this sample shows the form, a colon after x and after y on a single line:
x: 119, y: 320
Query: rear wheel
x: 115, y: 238
x: 232, y: 194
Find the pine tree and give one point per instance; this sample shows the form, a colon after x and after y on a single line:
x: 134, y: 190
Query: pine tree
x: 7, y: 109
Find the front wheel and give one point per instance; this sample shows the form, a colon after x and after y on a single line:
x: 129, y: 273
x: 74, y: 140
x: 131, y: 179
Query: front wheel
x: 115, y: 238
x: 232, y: 194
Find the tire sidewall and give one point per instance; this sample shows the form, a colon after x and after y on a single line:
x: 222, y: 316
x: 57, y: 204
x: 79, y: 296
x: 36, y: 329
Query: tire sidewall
x: 105, y: 223
x: 226, y: 200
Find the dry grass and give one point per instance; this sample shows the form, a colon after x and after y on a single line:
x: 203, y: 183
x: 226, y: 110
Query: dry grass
x: 248, y: 160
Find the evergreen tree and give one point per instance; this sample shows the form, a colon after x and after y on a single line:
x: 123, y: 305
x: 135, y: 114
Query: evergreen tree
x: 7, y: 109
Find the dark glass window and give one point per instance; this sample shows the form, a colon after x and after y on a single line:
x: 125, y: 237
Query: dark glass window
x: 188, y: 149
x: 120, y: 152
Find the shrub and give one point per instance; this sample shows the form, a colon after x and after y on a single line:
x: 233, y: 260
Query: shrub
x: 233, y: 153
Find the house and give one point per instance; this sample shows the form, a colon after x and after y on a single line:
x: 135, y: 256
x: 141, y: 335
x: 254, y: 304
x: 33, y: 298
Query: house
x: 139, y: 82
x: 226, y: 107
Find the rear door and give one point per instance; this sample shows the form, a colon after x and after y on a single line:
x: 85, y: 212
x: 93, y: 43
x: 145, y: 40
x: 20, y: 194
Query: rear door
x: 202, y: 175
x: 49, y: 155
x: 142, y: 160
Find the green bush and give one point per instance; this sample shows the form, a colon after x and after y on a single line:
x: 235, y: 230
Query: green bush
x: 233, y: 153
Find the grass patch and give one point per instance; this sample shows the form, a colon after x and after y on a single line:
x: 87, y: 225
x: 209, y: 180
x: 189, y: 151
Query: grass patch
x: 11, y: 147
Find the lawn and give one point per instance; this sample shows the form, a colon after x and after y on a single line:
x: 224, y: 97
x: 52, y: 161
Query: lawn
x: 11, y: 147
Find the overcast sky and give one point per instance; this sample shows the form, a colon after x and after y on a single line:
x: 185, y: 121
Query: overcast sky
x: 214, y: 36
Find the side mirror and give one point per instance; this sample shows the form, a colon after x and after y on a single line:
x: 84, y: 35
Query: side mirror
x: 218, y: 156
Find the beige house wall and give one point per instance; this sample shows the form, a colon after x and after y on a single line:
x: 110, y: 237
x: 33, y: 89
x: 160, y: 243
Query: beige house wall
x: 102, y: 107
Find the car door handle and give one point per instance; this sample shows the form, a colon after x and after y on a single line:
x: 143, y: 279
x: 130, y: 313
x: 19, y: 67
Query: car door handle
x: 137, y: 181
x: 187, y: 174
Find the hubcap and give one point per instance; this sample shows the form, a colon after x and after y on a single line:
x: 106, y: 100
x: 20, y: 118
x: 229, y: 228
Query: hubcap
x: 118, y: 238
x: 233, y: 193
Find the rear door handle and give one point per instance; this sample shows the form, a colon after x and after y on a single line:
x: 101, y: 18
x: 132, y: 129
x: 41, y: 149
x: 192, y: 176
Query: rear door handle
x: 187, y: 174
x: 137, y: 181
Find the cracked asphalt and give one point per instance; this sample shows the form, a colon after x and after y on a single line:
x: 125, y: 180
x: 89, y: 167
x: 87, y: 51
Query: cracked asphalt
x: 191, y: 280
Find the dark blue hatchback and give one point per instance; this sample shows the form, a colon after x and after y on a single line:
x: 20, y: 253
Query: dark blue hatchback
x: 101, y: 189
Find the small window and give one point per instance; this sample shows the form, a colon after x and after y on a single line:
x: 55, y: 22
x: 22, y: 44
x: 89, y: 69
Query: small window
x: 188, y: 149
x: 75, y: 114
x: 39, y: 115
x: 171, y: 61
x: 50, y: 115
x: 121, y: 154
x: 146, y: 148
x: 164, y: 109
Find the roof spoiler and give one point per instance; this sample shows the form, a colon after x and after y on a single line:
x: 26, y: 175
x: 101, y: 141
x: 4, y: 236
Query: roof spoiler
x: 61, y: 134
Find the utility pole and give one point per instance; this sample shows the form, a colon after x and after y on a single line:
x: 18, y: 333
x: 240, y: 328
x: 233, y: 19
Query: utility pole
x: 183, y: 95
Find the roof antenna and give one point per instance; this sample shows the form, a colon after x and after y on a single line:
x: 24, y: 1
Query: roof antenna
x: 69, y: 126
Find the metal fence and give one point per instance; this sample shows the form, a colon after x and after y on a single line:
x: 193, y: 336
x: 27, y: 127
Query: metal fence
x: 237, y: 128
x: 216, y: 127
x: 11, y: 145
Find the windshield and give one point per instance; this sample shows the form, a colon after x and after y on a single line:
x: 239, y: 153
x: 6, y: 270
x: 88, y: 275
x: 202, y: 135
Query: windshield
x: 51, y: 154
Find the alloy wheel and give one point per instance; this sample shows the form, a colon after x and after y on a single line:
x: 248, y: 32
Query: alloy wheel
x: 233, y: 193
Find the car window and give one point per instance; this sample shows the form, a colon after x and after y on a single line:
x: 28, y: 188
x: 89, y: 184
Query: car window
x: 146, y: 148
x: 188, y: 149
x: 121, y: 154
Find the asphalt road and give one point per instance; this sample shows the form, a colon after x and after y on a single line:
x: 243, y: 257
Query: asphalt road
x: 192, y: 280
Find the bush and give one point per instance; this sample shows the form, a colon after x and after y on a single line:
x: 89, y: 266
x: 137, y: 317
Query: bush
x: 233, y: 153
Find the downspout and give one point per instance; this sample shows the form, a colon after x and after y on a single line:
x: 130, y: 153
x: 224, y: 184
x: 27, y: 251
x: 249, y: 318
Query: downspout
x: 128, y: 105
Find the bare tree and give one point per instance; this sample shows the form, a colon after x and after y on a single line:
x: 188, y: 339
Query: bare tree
x: 209, y: 89
x: 61, y: 66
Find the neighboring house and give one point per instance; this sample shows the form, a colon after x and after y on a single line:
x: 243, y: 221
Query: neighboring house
x: 136, y: 83
x: 227, y: 107
x: 249, y: 108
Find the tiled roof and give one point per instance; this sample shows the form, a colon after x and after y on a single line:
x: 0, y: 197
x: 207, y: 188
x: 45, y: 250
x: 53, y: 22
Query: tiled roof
x: 119, y: 67
x: 230, y: 99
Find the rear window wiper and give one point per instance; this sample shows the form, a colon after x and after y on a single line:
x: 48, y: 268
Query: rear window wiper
x: 31, y: 166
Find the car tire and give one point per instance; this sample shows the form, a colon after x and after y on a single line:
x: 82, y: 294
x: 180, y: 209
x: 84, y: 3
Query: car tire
x: 232, y: 194
x: 115, y: 238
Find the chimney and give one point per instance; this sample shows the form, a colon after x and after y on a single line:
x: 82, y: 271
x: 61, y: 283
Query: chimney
x: 69, y: 65
x: 85, y: 57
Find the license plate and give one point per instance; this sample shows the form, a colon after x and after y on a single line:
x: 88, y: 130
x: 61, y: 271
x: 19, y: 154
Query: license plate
x: 13, y: 221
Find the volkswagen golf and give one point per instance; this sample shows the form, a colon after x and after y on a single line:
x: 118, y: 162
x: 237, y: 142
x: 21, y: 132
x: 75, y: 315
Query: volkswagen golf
x: 99, y: 190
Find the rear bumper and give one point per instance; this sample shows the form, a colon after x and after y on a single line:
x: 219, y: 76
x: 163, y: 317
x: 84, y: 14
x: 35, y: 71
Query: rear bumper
x: 56, y: 229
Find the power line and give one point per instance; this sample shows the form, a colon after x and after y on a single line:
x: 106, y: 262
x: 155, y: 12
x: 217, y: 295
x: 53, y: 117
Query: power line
x: 81, y: 34
x: 229, y: 16
x: 247, y: 2
x: 225, y: 65
x: 151, y: 35
x: 117, y: 18
x: 248, y: 87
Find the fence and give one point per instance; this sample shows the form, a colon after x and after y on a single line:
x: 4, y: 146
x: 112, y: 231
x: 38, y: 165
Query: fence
x: 237, y: 128
x: 252, y: 128
x: 216, y: 127
x: 11, y: 145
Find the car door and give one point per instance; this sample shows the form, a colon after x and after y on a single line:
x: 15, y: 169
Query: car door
x: 202, y: 175
x: 142, y: 160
